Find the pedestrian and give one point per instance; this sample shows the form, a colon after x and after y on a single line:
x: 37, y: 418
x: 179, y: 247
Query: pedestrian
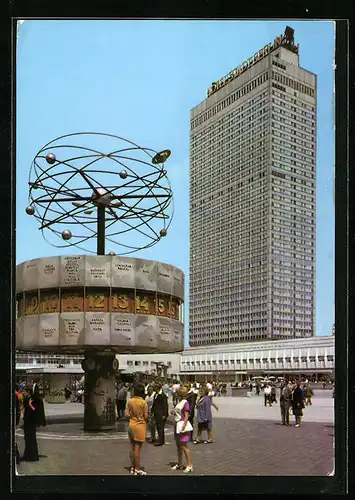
x: 30, y: 420
x: 137, y: 411
x: 174, y: 388
x: 79, y: 395
x: 298, y: 403
x: 35, y: 387
x: 38, y: 403
x: 285, y: 401
x: 19, y: 408
x: 191, y: 398
x: 267, y: 394
x: 182, y: 430
x: 166, y: 389
x: 121, y: 401
x: 251, y: 387
x: 211, y: 391
x: 308, y: 394
x: 224, y: 389
x: 151, y: 423
x: 67, y: 392
x: 257, y: 388
x: 160, y: 412
x: 204, y: 416
x: 273, y: 395
x: 210, y: 395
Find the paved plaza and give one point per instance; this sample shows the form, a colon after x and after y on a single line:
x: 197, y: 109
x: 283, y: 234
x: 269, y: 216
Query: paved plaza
x: 248, y: 440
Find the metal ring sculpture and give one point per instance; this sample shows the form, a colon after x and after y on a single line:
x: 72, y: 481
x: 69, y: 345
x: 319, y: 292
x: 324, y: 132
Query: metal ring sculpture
x: 133, y: 193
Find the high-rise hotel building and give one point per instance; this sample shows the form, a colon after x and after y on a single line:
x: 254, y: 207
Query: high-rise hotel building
x: 252, y: 202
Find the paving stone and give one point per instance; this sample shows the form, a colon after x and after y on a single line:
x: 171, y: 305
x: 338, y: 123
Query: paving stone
x: 241, y: 447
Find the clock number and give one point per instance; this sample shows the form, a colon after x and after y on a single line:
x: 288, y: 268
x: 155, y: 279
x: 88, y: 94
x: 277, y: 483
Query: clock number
x: 142, y: 303
x: 174, y: 309
x: 161, y: 305
x: 96, y: 302
x: 31, y: 305
x: 120, y: 301
x: 34, y: 305
x: 72, y: 303
x: 54, y: 302
x: 50, y: 303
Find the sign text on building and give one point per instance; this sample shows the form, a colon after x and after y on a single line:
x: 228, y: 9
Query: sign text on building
x: 280, y: 40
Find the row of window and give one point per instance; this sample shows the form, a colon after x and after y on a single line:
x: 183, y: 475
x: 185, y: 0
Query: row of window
x: 278, y: 64
x: 287, y: 359
x: 289, y: 82
x: 229, y: 100
x: 288, y: 98
x: 25, y: 359
x: 145, y: 363
x: 299, y: 107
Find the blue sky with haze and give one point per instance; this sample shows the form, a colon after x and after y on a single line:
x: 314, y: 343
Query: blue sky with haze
x: 139, y: 80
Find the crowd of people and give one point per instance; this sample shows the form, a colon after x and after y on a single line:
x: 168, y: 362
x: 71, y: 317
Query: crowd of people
x: 292, y: 395
x: 192, y: 412
x: 148, y: 412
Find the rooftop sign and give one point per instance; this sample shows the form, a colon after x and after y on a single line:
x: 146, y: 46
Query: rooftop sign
x: 286, y: 39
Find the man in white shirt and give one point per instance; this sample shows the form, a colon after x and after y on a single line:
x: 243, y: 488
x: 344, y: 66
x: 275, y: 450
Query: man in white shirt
x: 151, y: 424
x: 267, y: 394
x: 174, y: 388
x: 211, y: 392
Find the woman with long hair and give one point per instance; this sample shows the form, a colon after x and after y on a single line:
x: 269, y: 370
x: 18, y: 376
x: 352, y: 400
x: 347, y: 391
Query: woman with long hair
x: 30, y: 422
x: 182, y: 430
x: 19, y: 411
x: 137, y: 411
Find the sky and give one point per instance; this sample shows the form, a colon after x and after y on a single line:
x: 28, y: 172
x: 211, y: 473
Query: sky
x: 139, y: 80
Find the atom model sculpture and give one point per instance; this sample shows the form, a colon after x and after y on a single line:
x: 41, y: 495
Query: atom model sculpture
x: 120, y: 195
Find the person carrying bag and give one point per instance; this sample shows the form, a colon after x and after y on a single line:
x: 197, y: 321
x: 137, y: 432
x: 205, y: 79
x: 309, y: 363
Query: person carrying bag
x: 182, y: 430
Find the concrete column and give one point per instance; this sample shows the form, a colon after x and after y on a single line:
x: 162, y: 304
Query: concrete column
x: 99, y: 391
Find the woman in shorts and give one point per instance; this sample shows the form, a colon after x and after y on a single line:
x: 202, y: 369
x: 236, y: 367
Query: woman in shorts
x: 137, y: 411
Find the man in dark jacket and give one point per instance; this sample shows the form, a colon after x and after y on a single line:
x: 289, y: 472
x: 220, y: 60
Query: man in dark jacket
x: 35, y: 387
x: 298, y: 403
x: 160, y: 412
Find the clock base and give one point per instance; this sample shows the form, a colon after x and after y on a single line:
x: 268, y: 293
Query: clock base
x: 99, y: 391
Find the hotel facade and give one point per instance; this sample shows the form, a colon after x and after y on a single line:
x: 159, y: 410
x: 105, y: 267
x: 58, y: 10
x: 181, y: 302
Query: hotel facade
x: 252, y: 202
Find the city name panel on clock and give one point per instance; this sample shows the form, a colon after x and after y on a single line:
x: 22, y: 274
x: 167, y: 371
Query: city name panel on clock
x: 69, y: 303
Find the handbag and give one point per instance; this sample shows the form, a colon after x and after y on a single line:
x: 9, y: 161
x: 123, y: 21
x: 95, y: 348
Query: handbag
x: 179, y: 425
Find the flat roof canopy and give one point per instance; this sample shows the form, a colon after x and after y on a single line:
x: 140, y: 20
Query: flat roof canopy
x: 77, y: 370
